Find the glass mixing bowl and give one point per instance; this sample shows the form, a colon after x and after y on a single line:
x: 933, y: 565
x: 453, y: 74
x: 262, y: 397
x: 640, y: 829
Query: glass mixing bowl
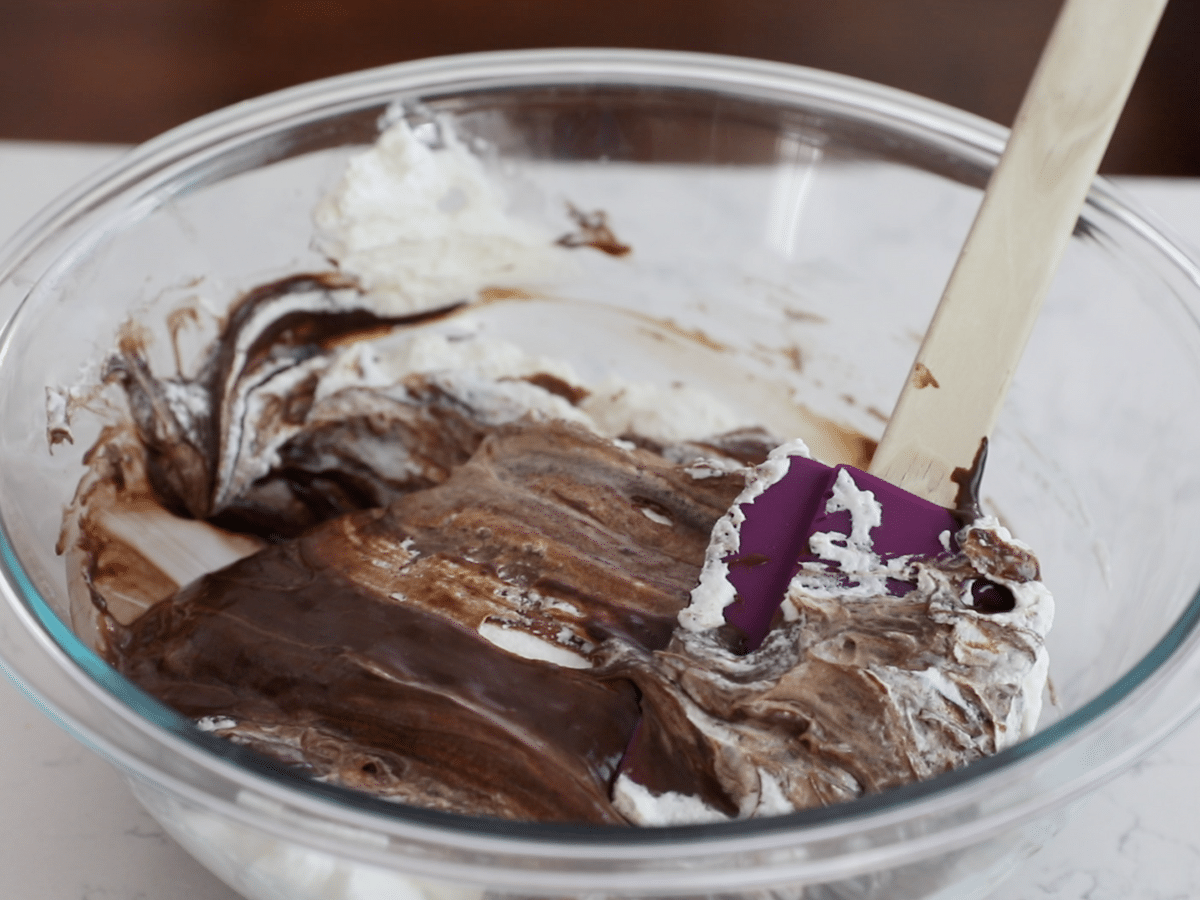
x: 791, y: 232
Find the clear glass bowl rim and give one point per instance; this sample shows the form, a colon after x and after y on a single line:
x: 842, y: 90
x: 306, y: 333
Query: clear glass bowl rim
x: 1154, y: 691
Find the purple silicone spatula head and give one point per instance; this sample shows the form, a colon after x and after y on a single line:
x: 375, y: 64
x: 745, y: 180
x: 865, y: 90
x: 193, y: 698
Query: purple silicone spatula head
x: 769, y: 554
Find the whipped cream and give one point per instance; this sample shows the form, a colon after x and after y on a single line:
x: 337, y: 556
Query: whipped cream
x: 420, y: 221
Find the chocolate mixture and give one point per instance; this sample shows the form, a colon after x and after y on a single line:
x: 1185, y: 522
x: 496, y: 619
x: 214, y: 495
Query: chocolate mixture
x: 408, y: 597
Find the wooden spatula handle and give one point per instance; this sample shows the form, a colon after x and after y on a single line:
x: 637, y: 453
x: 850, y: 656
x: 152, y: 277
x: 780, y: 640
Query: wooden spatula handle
x: 962, y: 371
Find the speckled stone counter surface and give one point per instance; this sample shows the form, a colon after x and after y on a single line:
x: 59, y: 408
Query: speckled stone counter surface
x: 70, y: 830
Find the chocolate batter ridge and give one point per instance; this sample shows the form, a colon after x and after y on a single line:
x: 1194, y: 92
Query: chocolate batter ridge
x: 553, y: 509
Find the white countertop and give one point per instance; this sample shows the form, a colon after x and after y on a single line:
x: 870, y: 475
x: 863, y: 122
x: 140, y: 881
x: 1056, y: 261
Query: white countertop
x: 71, y: 830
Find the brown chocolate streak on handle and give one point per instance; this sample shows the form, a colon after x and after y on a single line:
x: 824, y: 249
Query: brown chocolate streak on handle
x: 966, y: 501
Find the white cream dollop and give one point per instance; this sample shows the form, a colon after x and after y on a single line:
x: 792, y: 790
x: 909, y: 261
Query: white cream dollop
x: 422, y: 224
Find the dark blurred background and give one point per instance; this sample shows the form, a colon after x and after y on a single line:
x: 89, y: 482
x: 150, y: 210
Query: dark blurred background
x: 124, y: 70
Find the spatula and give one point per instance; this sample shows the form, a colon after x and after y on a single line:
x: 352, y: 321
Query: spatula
x: 962, y: 371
